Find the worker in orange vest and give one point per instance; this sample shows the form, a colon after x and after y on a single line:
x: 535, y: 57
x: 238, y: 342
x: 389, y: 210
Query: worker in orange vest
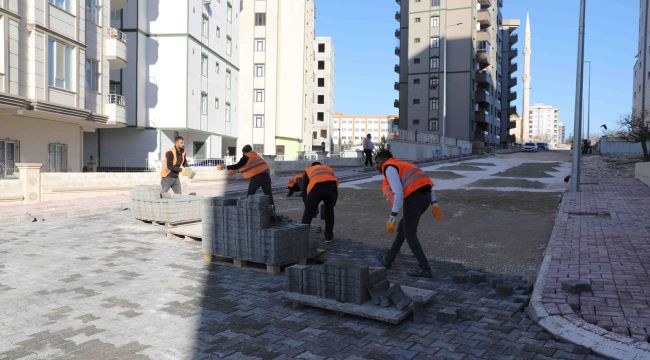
x: 320, y: 185
x: 252, y: 167
x: 174, y: 163
x: 294, y: 184
x: 405, y: 185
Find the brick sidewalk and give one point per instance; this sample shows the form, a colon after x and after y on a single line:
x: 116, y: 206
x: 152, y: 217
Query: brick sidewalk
x: 602, y: 236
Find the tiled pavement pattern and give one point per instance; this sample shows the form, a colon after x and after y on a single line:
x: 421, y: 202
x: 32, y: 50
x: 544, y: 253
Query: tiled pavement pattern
x: 108, y: 287
x: 602, y: 235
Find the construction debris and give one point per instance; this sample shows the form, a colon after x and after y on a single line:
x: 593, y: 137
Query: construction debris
x: 149, y: 204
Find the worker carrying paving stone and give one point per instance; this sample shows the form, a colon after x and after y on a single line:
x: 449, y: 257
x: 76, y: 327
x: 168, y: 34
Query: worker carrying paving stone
x: 175, y: 163
x: 294, y: 184
x: 406, y: 186
x: 252, y: 167
x: 320, y: 185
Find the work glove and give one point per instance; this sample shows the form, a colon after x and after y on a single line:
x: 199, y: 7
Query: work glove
x: 220, y: 167
x: 390, y: 224
x: 232, y: 172
x: 186, y: 171
x: 437, y: 213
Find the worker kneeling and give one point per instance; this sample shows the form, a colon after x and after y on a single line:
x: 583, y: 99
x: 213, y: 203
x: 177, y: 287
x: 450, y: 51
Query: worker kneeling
x: 405, y: 185
x: 320, y: 184
x: 252, y: 167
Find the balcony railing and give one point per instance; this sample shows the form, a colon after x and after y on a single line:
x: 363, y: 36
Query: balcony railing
x: 398, y: 16
x: 8, y: 171
x: 116, y: 99
x: 396, y: 69
x: 396, y: 104
x: 116, y: 34
x: 396, y: 85
x: 398, y: 33
x: 397, y: 51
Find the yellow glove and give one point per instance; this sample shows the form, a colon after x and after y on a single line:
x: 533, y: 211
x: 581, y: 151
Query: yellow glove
x: 390, y: 225
x: 185, y: 171
x: 220, y: 167
x: 437, y: 213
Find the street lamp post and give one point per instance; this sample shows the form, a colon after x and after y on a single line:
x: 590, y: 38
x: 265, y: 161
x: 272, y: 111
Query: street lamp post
x: 588, y: 102
x: 577, y: 120
x: 443, y: 141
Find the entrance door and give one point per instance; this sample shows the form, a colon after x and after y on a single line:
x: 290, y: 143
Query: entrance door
x: 8, y: 158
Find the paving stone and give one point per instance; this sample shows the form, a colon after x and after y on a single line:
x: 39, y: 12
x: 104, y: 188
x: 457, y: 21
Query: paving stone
x: 446, y: 315
x: 576, y: 286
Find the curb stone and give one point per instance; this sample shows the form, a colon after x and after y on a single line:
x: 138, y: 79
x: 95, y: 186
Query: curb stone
x: 575, y: 330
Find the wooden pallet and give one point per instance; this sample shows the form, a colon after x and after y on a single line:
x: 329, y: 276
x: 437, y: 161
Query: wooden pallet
x: 169, y: 224
x: 271, y: 269
x: 191, y: 231
x: 389, y: 314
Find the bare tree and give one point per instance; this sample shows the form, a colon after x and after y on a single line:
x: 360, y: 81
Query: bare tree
x: 636, y: 127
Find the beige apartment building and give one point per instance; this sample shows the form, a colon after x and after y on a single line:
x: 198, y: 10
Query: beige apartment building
x: 641, y: 96
x: 470, y: 105
x: 319, y: 130
x: 276, y: 84
x: 54, y: 80
x: 350, y: 130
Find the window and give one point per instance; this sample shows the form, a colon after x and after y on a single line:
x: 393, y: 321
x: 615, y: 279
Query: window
x: 260, y: 44
x: 205, y: 26
x: 229, y: 12
x: 435, y: 2
x: 320, y: 116
x: 417, y: 20
x: 217, y: 67
x: 321, y: 48
x: 228, y: 79
x: 204, y: 64
x: 321, y: 65
x: 59, y: 64
x: 416, y: 101
x: 433, y: 125
x: 433, y: 104
x: 260, y: 19
x: 9, y: 156
x: 258, y: 121
x: 58, y: 157
x: 321, y: 82
x: 228, y: 46
x: 62, y: 4
x: 92, y: 74
x: 435, y: 21
x: 216, y: 103
x: 314, y: 135
x: 416, y: 40
x: 218, y: 32
x: 434, y: 62
x: 259, y: 70
x: 228, y: 112
x: 321, y: 99
x: 434, y: 42
x: 323, y: 133
x: 416, y: 60
x: 416, y: 81
x: 416, y: 122
x: 259, y: 95
x: 92, y: 11
x: 204, y: 103
x: 433, y: 83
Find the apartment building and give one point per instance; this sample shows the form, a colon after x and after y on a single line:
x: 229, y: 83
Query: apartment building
x: 641, y: 95
x: 350, y: 130
x: 465, y: 33
x: 319, y: 130
x: 544, y: 124
x: 182, y: 79
x: 507, y: 80
x: 54, y: 80
x: 277, y: 75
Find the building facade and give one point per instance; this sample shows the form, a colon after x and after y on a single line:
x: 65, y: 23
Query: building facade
x: 350, y: 130
x: 544, y: 124
x: 319, y: 130
x: 508, y: 81
x: 467, y: 34
x: 527, y: 79
x: 641, y: 96
x: 54, y: 80
x: 277, y: 77
x: 181, y: 79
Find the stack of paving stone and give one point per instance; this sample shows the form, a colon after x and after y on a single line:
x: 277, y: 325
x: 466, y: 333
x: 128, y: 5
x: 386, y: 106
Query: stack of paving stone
x: 242, y: 229
x: 148, y: 203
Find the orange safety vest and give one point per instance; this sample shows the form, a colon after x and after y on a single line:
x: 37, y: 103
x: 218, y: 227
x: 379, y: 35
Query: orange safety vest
x: 318, y: 174
x: 294, y: 180
x: 412, y: 177
x: 164, y: 171
x: 254, y: 166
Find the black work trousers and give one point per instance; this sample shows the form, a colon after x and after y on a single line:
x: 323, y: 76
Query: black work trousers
x: 414, y: 206
x: 328, y: 193
x: 368, y: 157
x: 263, y: 181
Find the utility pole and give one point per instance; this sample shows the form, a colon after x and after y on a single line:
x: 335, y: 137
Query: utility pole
x: 589, y: 103
x: 577, y: 119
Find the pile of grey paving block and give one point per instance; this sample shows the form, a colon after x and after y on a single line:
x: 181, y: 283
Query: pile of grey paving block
x: 346, y: 282
x: 150, y: 204
x: 242, y: 229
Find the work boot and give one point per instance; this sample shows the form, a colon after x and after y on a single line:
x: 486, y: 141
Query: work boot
x: 383, y: 259
x: 420, y: 272
x: 329, y: 239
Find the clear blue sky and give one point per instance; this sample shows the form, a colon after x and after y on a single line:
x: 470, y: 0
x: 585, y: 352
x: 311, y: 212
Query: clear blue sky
x: 362, y: 31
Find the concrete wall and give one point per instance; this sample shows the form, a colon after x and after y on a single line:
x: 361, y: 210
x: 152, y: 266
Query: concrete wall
x: 410, y: 151
x: 11, y: 190
x: 642, y: 172
x: 620, y: 148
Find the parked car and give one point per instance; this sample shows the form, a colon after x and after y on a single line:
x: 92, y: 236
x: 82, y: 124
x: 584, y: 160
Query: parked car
x: 529, y: 147
x: 542, y: 146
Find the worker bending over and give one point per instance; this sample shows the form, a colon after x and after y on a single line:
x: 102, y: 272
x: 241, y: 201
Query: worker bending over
x: 175, y: 163
x: 252, y: 167
x: 406, y: 186
x: 320, y: 184
x: 294, y: 184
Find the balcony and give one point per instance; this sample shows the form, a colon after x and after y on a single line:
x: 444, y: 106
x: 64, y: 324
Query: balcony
x: 512, y: 125
x: 118, y: 4
x: 481, y: 116
x: 482, y: 96
x: 483, y: 59
x: 484, y: 35
x: 115, y: 109
x: 484, y: 18
x: 512, y: 68
x: 512, y: 96
x: 398, y: 16
x: 484, y: 79
x: 396, y: 85
x: 512, y: 53
x: 512, y: 110
x: 512, y: 82
x: 398, y: 33
x: 115, y: 48
x: 396, y: 69
x: 485, y: 3
x: 396, y: 104
x: 514, y: 38
x: 397, y: 51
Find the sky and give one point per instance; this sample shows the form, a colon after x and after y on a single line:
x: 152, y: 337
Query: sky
x: 364, y: 41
